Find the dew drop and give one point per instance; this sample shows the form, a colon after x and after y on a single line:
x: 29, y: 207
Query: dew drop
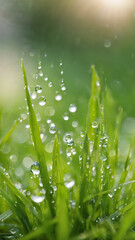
x: 42, y: 100
x: 72, y: 108
x: 69, y: 184
x: 38, y: 89
x: 65, y: 116
x: 34, y: 95
x: 52, y: 128
x: 68, y: 139
x: 46, y: 78
x: 38, y: 198
x: 41, y: 74
x: 63, y: 87
x: 74, y: 124
x: 58, y: 97
x: 35, y: 168
x: 95, y: 124
x: 50, y: 84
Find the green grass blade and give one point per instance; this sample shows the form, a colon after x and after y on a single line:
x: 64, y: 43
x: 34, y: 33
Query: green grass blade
x: 56, y: 163
x: 94, y: 104
x: 38, y: 145
x: 6, y: 137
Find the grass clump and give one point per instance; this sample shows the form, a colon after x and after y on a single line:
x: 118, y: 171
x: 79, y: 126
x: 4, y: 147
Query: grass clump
x: 90, y: 196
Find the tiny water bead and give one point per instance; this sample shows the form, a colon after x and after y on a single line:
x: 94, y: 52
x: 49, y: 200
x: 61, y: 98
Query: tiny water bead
x: 34, y: 95
x: 95, y: 124
x: 74, y: 124
x: 72, y: 108
x: 68, y: 181
x: 63, y: 87
x: 41, y: 74
x: 68, y: 139
x: 52, y: 128
x: 46, y: 78
x: 38, y: 196
x: 38, y: 89
x: 58, y: 97
x: 35, y: 168
x: 50, y: 84
x: 41, y: 100
x: 66, y: 117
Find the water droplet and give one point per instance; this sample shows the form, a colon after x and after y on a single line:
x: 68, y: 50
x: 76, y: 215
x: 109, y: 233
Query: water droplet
x: 35, y: 168
x: 34, y: 95
x: 74, y: 124
x: 42, y: 100
x: 107, y: 43
x: 50, y: 84
x: 58, y: 97
x: 23, y: 116
x: 13, y: 158
x: 39, y: 65
x: 72, y: 108
x: 65, y: 116
x: 38, y: 198
x: 13, y: 231
x: 41, y: 74
x: 45, y: 55
x: 52, y: 128
x: 68, y: 139
x: 46, y: 78
x: 110, y: 195
x: 63, y: 87
x: 62, y: 72
x: 95, y: 124
x: 38, y: 89
x: 69, y: 184
x: 48, y: 121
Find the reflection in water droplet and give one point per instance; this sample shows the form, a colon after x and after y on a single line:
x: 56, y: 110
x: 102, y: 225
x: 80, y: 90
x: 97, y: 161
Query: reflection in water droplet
x: 42, y: 100
x: 72, y: 108
x: 38, y: 89
x: 35, y: 168
x: 58, y: 97
x: 52, y: 128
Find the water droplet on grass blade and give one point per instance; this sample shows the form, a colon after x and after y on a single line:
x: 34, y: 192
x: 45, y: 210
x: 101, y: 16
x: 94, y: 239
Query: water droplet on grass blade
x: 38, y: 198
x: 42, y: 100
x: 69, y: 184
x: 95, y: 124
x: 72, y: 108
x: 58, y: 97
x: 52, y: 128
x: 35, y: 168
x: 68, y: 139
x: 38, y: 89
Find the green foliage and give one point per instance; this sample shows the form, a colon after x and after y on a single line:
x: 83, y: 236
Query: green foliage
x: 90, y: 198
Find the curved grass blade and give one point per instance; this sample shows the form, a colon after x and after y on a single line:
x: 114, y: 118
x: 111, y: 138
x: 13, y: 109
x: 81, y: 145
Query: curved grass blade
x: 4, y: 140
x: 38, y: 144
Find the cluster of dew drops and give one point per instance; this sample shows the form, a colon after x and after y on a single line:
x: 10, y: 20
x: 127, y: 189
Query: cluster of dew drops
x: 38, y: 194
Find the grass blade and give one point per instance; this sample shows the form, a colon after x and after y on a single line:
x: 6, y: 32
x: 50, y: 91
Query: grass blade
x: 4, y: 140
x: 38, y: 145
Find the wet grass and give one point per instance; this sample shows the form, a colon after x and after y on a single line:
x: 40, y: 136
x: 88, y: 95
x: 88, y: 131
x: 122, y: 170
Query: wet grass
x: 87, y: 193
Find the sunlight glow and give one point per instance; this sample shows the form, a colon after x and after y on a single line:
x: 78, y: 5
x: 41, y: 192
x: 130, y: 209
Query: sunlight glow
x: 117, y: 4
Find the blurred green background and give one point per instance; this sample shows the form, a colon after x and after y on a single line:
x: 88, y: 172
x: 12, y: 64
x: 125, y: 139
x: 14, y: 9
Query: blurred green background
x: 76, y: 33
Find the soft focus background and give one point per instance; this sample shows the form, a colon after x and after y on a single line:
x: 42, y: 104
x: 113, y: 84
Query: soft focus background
x: 66, y: 38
